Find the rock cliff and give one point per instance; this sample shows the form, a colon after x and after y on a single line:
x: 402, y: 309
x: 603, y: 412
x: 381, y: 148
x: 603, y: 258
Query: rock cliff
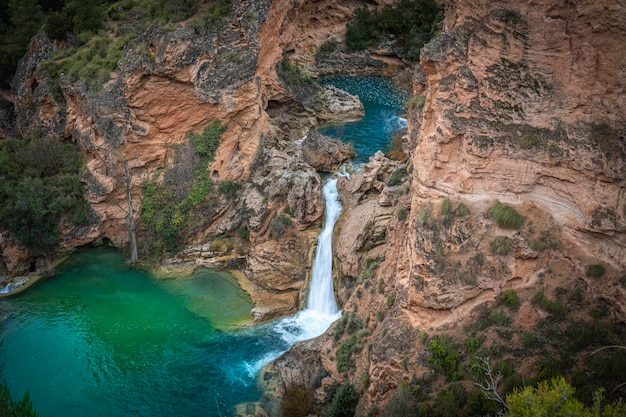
x: 176, y: 80
x: 514, y: 102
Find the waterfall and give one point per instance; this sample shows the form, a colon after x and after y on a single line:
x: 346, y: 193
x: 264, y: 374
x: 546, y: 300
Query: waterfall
x: 321, y: 295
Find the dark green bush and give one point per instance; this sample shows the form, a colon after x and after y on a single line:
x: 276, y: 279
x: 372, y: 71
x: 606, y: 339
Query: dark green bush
x: 344, y: 353
x: 544, y: 303
x: 510, y: 299
x: 39, y: 187
x: 505, y: 216
x: 594, y: 270
x: 12, y: 408
x: 344, y: 402
x: 444, y: 357
x: 411, y: 23
x: 229, y: 188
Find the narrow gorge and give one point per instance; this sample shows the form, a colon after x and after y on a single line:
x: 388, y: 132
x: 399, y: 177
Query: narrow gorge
x: 480, y: 234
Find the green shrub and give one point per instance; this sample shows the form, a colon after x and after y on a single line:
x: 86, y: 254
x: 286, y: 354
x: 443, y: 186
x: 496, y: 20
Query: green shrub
x: 279, y: 225
x: 544, y: 303
x: 401, y: 214
x: 396, y: 177
x: 344, y: 402
x: 411, y: 23
x: 391, y: 298
x: 206, y: 143
x: 472, y: 344
x: 501, y: 245
x: 229, y: 188
x: 15, y: 408
x: 166, y: 207
x: 594, y: 270
x: 39, y: 187
x: 556, y: 398
x: 244, y: 233
x: 505, y: 216
x: 510, y: 299
x: 344, y: 353
x: 292, y: 74
x: 444, y: 357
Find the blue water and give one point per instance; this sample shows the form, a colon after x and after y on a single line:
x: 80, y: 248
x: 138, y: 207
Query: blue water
x: 384, y: 106
x: 100, y: 339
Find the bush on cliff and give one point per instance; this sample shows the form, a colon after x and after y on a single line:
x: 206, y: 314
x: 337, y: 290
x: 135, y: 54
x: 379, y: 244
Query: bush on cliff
x: 344, y: 402
x: 166, y: 206
x: 410, y: 23
x: 39, y: 189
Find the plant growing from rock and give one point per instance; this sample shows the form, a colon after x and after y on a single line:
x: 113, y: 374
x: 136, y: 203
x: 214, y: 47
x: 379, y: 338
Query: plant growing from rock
x: 505, y: 216
x: 594, y: 270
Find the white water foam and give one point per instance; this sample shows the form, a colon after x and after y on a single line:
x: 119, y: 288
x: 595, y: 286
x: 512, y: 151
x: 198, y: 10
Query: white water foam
x: 321, y: 310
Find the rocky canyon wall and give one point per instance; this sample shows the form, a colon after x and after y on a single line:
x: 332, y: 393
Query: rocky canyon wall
x: 520, y: 102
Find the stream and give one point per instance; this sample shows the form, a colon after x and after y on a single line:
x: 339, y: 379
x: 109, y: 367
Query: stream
x: 103, y: 339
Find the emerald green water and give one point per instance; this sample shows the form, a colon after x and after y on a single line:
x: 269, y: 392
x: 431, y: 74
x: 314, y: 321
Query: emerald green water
x: 102, y: 339
x: 384, y: 106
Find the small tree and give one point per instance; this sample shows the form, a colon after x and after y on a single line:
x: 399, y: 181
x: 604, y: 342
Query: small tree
x: 344, y: 402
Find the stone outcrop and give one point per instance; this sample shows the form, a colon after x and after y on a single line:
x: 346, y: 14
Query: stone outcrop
x: 520, y: 103
x: 172, y: 82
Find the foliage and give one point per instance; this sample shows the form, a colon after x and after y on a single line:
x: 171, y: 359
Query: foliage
x: 279, y: 225
x: 510, y: 299
x: 206, y: 143
x: 229, y: 188
x: 556, y: 398
x: 505, y: 216
x: 344, y: 402
x: 396, y: 177
x: 501, y: 245
x: 444, y: 357
x: 24, y: 20
x: 292, y: 75
x: 401, y: 214
x: 166, y: 206
x: 12, y: 408
x: 544, y: 303
x: 411, y: 23
x: 39, y: 189
x: 594, y: 270
x: 344, y: 353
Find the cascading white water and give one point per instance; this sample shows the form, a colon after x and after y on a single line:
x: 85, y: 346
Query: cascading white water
x: 321, y: 295
x: 321, y: 310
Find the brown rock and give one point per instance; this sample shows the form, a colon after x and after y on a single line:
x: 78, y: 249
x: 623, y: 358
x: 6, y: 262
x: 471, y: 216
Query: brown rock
x: 325, y: 153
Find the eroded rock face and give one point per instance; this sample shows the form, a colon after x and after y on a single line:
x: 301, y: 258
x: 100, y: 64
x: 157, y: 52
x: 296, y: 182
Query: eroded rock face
x: 172, y: 82
x: 520, y: 105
